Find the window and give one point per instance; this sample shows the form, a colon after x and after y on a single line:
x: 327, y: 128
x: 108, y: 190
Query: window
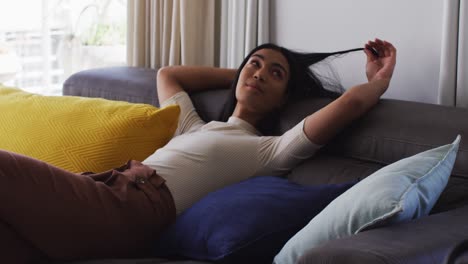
x: 44, y: 42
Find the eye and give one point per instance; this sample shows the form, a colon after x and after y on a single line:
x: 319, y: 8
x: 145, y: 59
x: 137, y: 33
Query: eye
x: 255, y: 63
x: 278, y: 74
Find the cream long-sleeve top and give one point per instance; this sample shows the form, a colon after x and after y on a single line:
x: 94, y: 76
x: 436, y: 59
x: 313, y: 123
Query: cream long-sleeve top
x: 204, y: 157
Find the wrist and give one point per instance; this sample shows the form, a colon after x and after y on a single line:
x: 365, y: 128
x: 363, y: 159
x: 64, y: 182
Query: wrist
x: 381, y: 83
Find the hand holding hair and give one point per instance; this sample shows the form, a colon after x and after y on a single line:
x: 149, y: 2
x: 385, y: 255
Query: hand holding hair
x: 380, y: 66
x: 322, y: 125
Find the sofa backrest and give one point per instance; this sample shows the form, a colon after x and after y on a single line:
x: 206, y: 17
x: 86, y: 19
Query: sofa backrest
x: 391, y: 131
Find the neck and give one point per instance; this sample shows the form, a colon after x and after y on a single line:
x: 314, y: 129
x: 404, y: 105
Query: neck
x: 247, y: 115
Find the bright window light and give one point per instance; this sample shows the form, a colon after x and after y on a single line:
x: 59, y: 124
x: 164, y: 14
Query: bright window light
x: 43, y: 42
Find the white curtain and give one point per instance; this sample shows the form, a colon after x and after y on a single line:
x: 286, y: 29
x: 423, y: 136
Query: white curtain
x: 170, y: 32
x: 462, y: 66
x: 194, y: 32
x: 244, y: 25
x: 453, y: 84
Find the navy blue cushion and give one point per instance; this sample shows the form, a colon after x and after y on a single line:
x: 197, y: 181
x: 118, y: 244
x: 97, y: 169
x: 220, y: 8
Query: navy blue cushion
x: 246, y: 222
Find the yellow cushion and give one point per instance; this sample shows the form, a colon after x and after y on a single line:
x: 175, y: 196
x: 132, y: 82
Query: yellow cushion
x: 82, y: 134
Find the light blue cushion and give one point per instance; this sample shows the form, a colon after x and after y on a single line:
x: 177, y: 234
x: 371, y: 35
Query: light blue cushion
x: 404, y: 190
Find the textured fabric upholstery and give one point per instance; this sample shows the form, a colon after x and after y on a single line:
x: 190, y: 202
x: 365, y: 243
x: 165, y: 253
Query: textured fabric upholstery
x: 131, y: 84
x: 423, y: 241
x: 394, y: 129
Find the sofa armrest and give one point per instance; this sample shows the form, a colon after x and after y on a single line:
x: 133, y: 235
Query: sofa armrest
x: 426, y: 240
x: 131, y: 84
x: 136, y: 85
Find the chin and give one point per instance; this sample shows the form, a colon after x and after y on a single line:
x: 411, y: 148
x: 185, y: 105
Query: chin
x: 249, y: 103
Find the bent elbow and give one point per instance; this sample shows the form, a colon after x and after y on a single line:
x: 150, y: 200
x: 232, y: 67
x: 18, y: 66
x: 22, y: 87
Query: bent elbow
x: 164, y: 72
x: 167, y: 76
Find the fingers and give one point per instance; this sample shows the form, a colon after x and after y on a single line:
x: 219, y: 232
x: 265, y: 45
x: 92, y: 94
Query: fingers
x: 390, y: 48
x: 378, y: 46
x: 370, y: 52
x: 382, y: 47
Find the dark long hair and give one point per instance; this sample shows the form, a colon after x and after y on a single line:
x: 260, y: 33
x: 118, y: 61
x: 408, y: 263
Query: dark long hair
x: 302, y: 83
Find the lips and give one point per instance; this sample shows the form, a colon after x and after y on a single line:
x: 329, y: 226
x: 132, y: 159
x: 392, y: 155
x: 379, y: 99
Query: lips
x: 254, y: 86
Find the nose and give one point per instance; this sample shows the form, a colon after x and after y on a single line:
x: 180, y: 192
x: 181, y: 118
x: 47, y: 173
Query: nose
x: 258, y: 75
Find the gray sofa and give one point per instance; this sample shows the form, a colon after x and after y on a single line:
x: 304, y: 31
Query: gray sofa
x: 393, y: 130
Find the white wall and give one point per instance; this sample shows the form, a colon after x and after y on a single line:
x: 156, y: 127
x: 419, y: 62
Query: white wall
x: 414, y: 27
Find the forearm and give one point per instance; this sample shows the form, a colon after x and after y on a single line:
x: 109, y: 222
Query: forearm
x: 366, y: 95
x: 324, y: 124
x: 196, y: 78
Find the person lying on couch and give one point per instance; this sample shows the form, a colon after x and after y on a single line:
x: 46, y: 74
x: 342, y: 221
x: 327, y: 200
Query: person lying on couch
x: 200, y: 158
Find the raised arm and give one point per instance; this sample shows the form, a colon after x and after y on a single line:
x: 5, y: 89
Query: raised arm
x: 173, y: 79
x: 324, y: 124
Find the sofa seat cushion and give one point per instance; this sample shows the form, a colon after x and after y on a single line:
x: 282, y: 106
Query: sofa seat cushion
x: 421, y: 241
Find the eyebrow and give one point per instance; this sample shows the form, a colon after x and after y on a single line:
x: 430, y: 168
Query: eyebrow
x: 274, y: 63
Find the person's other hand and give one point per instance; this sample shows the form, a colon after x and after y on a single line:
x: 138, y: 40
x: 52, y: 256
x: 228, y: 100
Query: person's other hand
x: 381, y: 66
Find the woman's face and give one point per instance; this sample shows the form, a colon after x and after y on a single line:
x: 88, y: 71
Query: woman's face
x: 262, y: 82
